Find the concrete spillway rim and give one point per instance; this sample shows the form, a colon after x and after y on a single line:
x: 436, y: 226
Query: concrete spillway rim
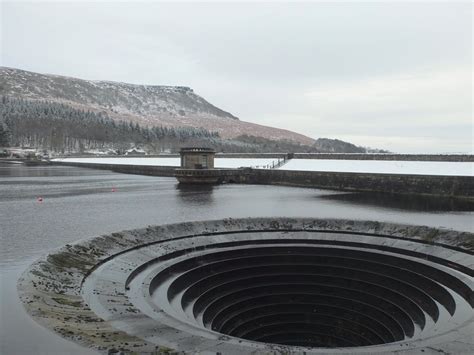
x: 51, y: 287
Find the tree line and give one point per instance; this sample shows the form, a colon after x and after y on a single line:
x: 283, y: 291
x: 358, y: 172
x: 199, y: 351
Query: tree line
x: 62, y: 128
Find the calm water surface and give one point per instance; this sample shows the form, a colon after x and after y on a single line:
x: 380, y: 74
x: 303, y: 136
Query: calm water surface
x: 80, y: 203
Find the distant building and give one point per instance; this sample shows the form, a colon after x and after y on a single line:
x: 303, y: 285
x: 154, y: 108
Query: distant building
x: 197, y: 158
x: 135, y: 152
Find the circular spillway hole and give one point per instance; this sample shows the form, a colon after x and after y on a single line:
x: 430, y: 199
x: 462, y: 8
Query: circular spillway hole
x: 299, y: 293
x: 261, y: 285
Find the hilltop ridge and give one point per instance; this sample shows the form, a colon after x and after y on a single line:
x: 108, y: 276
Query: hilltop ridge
x: 148, y: 105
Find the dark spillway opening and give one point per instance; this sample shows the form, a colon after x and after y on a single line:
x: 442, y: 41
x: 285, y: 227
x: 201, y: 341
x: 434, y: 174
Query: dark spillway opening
x: 310, y: 295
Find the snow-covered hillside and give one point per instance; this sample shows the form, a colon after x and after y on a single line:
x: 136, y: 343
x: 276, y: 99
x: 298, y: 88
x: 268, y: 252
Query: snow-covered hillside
x: 148, y: 105
x: 119, y: 98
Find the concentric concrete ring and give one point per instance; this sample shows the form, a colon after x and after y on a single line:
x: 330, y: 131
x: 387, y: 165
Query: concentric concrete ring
x: 261, y: 285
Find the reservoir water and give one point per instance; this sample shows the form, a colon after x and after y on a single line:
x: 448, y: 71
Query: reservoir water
x: 78, y: 203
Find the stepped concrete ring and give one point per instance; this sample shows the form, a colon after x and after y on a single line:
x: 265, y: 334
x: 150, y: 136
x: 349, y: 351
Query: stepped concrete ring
x: 261, y: 285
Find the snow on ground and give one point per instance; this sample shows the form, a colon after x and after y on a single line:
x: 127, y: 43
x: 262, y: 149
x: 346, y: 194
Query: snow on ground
x: 382, y: 166
x: 218, y: 162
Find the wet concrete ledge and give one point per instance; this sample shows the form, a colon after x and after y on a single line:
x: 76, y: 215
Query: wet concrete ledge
x: 80, y: 290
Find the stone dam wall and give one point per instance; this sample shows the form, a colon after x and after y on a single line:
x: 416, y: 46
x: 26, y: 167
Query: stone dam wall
x: 126, y: 169
x: 453, y: 186
x: 450, y: 186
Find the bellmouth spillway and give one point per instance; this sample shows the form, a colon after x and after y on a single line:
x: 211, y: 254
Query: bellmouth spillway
x: 261, y: 285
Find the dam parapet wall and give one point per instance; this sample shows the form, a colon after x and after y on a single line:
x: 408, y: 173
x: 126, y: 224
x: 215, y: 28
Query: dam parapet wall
x: 124, y: 168
x: 452, y: 186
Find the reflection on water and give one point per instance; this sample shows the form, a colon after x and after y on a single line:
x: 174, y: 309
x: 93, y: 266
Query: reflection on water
x: 404, y: 202
x: 195, y: 194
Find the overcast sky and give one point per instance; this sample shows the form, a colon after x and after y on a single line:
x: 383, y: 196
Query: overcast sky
x: 392, y: 75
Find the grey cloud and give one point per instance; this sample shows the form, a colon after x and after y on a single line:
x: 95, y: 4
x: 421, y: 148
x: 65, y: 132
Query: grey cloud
x: 260, y: 61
